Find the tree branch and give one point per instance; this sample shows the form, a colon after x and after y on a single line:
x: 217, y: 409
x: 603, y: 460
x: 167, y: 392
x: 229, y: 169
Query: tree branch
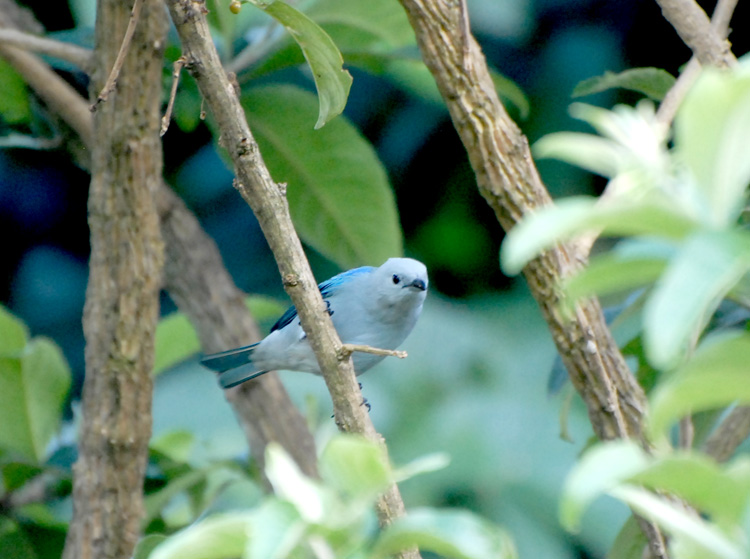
x: 122, y: 297
x: 201, y: 287
x: 269, y: 204
x: 196, y: 279
x: 79, y: 56
x: 673, y: 99
x: 695, y: 30
x: 509, y: 181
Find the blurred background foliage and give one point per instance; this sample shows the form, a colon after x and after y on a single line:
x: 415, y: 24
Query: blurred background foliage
x: 474, y: 385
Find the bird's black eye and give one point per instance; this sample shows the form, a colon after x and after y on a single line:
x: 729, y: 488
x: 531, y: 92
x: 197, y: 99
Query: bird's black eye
x: 396, y: 279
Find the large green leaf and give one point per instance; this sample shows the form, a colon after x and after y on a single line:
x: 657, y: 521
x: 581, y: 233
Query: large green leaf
x: 705, y: 268
x: 449, y: 533
x: 652, y: 82
x: 572, y: 216
x: 33, y: 387
x: 338, y: 191
x: 715, y: 376
x: 722, y: 493
x: 712, y: 133
x: 321, y: 53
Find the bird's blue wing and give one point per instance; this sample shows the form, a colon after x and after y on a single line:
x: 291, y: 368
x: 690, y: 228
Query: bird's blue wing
x: 327, y: 288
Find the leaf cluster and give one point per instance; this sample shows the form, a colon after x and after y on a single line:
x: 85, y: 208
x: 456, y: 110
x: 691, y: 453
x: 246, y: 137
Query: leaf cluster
x: 677, y: 204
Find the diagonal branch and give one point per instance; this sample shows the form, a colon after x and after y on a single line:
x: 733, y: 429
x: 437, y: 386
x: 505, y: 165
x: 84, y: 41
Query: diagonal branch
x: 509, y: 181
x: 694, y: 28
x: 269, y: 204
x: 720, y: 23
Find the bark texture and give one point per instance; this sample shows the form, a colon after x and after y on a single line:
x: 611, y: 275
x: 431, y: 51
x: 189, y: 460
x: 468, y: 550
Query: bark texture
x: 509, y: 181
x: 122, y: 304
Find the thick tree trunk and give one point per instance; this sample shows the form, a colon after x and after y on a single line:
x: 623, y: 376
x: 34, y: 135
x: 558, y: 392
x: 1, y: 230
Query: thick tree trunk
x: 122, y: 304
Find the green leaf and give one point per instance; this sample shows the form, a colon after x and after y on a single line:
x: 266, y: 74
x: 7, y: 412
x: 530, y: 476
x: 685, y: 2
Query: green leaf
x: 176, y: 445
x: 355, y: 466
x: 33, y: 388
x: 175, y: 341
x: 218, y: 537
x: 509, y: 90
x: 612, y: 273
x: 290, y: 484
x: 321, y: 53
x: 13, y: 333
x: 630, y: 541
x: 694, y: 536
x: 372, y: 26
x: 601, y: 468
x: 275, y: 530
x: 715, y: 376
x: 450, y: 533
x: 367, y: 33
x: 652, y: 82
x: 703, y: 271
x: 572, y: 216
x: 593, y: 153
x: 14, y: 543
x: 423, y: 465
x: 338, y: 190
x: 14, y: 102
x: 16, y: 474
x: 712, y: 132
x: 147, y: 544
x: 721, y: 493
x: 157, y: 501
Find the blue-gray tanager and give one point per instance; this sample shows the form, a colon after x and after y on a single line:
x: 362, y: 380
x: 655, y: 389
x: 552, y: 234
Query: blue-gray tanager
x: 377, y: 307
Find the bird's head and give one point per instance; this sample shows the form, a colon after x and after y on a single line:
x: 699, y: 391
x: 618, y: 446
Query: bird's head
x: 402, y: 280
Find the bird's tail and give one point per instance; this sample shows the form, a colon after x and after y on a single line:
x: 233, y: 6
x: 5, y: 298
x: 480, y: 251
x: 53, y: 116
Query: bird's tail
x: 234, y: 366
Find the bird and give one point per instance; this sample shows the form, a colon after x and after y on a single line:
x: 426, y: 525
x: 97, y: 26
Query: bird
x: 377, y: 307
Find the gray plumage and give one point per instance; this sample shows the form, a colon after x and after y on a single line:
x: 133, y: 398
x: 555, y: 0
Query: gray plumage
x: 369, y: 306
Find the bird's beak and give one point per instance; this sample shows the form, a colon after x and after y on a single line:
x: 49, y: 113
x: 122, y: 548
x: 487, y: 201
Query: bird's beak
x: 418, y: 284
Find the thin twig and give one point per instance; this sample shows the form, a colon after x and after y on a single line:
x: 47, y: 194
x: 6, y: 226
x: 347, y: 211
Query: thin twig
x: 111, y: 82
x: 347, y: 349
x: 79, y: 56
x: 179, y: 64
x: 271, y: 208
x: 255, y: 50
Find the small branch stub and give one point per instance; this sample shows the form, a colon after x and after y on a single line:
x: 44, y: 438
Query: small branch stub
x: 346, y: 351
